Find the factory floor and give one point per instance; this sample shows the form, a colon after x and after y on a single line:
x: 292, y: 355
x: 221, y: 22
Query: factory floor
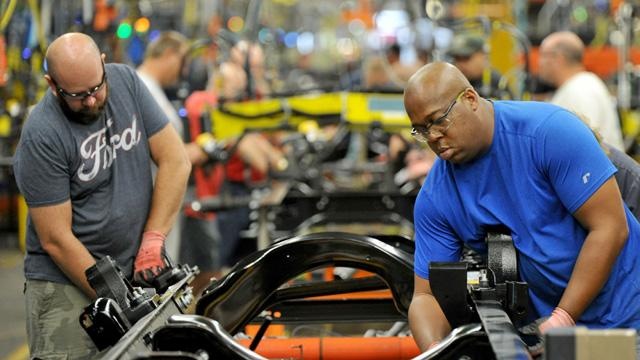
x: 13, y: 345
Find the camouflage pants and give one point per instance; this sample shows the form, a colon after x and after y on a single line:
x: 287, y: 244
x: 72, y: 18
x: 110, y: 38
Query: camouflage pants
x: 53, y: 329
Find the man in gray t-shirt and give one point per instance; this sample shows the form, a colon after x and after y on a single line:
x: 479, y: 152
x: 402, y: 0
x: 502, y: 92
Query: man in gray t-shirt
x: 83, y: 165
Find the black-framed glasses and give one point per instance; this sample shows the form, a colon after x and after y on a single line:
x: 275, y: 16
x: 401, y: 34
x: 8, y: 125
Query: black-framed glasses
x: 437, y: 127
x: 82, y: 94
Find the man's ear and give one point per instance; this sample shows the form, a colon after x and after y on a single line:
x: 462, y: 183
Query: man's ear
x: 52, y: 86
x: 473, y: 98
x: 103, y: 56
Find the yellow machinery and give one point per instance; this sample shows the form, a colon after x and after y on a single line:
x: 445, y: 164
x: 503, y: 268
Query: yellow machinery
x: 358, y: 110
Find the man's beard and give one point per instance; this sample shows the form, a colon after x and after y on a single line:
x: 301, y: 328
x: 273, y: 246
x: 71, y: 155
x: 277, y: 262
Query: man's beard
x: 85, y: 115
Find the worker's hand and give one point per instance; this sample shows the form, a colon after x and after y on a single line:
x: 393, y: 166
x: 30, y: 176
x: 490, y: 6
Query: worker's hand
x: 150, y: 259
x: 558, y: 318
x: 533, y: 333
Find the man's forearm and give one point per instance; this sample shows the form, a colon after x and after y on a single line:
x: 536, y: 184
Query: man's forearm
x: 591, y: 271
x: 427, y: 321
x: 73, y: 259
x: 53, y: 225
x: 168, y: 193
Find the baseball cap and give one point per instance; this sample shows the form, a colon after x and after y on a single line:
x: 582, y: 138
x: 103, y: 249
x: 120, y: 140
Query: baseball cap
x: 464, y: 45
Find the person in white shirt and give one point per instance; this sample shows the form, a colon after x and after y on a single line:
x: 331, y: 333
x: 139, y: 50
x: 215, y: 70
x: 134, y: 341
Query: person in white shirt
x: 561, y: 65
x: 161, y: 69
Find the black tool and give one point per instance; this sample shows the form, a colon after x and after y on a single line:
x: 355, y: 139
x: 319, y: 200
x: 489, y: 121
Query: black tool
x: 120, y: 305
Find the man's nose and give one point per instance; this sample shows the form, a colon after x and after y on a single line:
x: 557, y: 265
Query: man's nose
x: 89, y: 100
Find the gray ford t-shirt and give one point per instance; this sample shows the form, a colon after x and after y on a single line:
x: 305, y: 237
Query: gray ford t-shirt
x: 104, y: 168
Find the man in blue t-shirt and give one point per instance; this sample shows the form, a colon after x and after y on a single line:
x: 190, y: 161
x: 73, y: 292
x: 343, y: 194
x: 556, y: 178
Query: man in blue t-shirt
x: 538, y: 170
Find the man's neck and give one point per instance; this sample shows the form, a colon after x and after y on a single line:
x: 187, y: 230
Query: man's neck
x: 152, y: 70
x: 571, y: 72
x: 487, y: 112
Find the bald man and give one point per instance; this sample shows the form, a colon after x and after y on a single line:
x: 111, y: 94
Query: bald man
x: 512, y: 164
x: 83, y: 165
x: 561, y: 65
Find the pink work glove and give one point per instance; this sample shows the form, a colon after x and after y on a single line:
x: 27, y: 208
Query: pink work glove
x: 150, y: 259
x: 533, y: 333
x: 558, y: 318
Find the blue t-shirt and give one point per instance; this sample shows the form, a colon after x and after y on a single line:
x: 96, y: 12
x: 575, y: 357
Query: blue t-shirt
x: 543, y: 164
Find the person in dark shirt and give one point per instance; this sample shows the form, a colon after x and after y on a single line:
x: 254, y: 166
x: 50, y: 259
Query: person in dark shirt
x: 628, y: 175
x: 469, y: 54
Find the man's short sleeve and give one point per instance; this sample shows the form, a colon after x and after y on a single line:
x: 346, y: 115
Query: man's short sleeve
x: 42, y: 174
x: 573, y: 160
x: 434, y: 240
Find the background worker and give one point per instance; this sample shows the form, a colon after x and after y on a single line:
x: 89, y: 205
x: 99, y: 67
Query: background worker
x: 561, y: 65
x: 241, y: 77
x: 243, y: 74
x: 510, y: 164
x: 468, y: 53
x: 83, y: 165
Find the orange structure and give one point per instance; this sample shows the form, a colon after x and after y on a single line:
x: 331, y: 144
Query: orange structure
x: 337, y: 348
x: 603, y: 61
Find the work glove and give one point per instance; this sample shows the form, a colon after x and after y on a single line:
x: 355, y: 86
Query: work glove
x: 150, y: 260
x: 559, y: 318
x: 533, y: 333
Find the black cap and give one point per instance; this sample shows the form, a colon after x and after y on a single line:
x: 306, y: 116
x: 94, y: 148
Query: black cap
x: 465, y: 45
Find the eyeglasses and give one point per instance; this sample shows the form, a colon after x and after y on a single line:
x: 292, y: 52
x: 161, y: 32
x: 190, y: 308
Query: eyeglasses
x: 437, y: 127
x: 83, y: 94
